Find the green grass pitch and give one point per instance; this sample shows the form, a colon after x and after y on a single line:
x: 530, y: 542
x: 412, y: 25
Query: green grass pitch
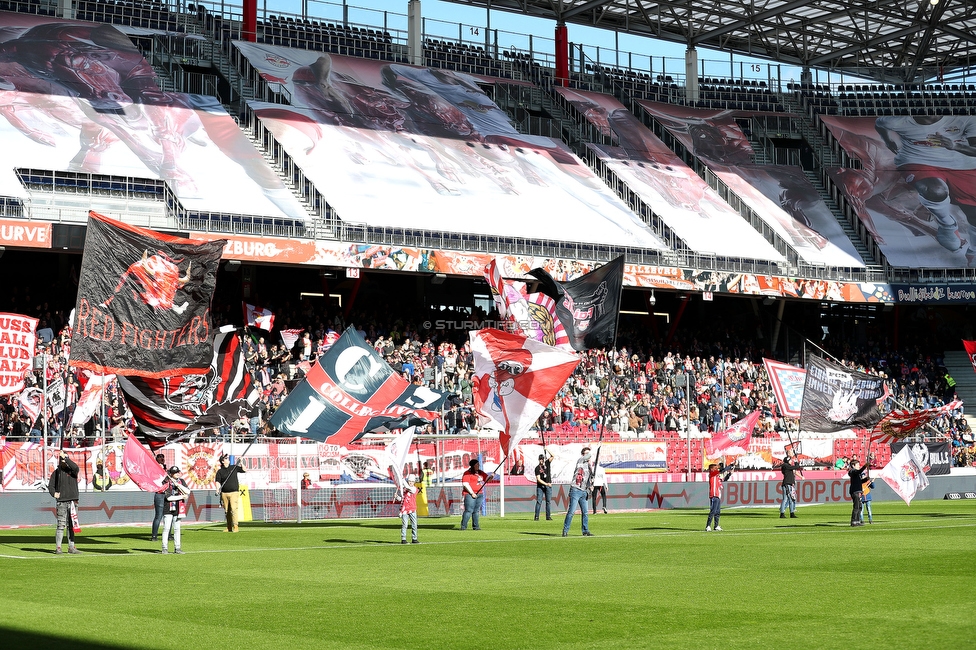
x: 646, y: 580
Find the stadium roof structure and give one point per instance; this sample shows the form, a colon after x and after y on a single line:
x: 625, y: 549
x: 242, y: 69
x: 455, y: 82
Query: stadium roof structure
x: 897, y: 41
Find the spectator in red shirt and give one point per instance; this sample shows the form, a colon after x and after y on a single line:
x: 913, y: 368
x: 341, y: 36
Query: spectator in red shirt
x: 473, y: 482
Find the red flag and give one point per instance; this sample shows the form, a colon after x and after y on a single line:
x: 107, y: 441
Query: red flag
x: 515, y: 378
x: 738, y: 436
x: 141, y: 467
x: 258, y: 317
x: 971, y: 351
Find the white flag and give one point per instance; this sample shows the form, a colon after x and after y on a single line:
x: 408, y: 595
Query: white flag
x: 56, y: 395
x: 905, y: 474
x: 397, y: 452
x: 91, y: 399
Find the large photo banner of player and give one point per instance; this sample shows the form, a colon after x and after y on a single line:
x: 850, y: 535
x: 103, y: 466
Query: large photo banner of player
x: 676, y: 194
x: 79, y: 97
x: 915, y: 190
x: 780, y: 195
x: 393, y: 145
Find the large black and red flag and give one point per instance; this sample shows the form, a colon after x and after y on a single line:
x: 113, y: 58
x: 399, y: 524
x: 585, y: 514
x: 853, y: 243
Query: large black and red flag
x: 170, y: 408
x: 837, y: 398
x: 588, y: 306
x: 349, y: 391
x: 144, y: 301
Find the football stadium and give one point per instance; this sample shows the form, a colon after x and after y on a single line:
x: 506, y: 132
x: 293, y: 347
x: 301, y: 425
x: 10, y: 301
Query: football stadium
x: 484, y: 323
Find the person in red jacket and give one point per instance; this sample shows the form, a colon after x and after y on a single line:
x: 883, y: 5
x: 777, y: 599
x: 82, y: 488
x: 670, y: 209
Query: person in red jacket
x: 716, y: 478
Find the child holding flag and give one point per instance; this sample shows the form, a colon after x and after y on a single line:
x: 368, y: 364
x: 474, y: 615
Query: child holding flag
x: 408, y: 509
x: 716, y: 480
x: 175, y: 493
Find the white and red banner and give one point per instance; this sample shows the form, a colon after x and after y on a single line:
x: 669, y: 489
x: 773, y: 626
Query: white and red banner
x: 787, y: 383
x: 735, y: 440
x: 90, y: 399
x: 905, y: 474
x: 290, y: 337
x: 141, y: 466
x: 901, y: 423
x: 18, y: 336
x: 8, y: 463
x: 31, y: 402
x: 514, y: 379
x: 258, y: 317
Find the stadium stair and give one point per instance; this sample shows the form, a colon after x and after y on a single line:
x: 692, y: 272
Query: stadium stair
x: 852, y: 234
x: 825, y: 158
x: 960, y: 368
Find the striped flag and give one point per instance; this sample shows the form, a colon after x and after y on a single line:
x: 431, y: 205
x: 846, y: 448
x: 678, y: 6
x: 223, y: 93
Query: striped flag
x: 290, y: 337
x: 902, y: 423
x: 8, y: 462
x: 171, y: 408
x: 531, y: 314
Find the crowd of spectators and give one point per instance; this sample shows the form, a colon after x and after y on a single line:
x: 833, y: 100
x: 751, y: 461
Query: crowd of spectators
x: 702, y: 381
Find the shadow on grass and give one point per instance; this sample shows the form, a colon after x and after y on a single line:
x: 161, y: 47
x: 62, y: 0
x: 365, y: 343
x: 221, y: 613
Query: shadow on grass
x: 932, y: 515
x: 541, y: 534
x: 21, y: 639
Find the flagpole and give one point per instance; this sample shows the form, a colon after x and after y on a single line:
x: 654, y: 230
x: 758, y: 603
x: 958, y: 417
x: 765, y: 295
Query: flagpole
x: 102, y: 402
x: 298, y: 475
x: 44, y: 407
x: 603, y: 398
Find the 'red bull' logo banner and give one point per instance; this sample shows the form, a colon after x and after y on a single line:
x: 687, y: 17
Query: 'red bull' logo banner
x: 143, y: 301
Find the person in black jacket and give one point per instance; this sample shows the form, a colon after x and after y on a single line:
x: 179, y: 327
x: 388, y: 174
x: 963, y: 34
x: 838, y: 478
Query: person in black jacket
x: 159, y: 502
x: 229, y: 487
x: 175, y: 493
x: 64, y: 489
x: 856, y: 474
x: 789, y: 468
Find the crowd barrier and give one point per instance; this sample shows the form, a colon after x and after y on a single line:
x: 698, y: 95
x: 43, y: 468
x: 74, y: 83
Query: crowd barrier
x: 356, y: 501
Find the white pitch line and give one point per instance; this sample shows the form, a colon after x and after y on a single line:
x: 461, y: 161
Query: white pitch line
x: 740, y: 532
